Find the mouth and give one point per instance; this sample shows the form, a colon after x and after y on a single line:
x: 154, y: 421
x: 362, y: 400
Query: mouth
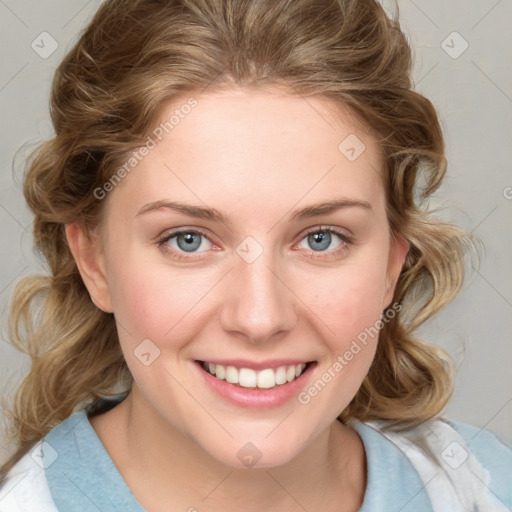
x: 264, y: 378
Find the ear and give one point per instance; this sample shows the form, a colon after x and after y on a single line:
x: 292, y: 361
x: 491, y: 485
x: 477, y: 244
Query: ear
x: 88, y: 254
x: 398, y: 250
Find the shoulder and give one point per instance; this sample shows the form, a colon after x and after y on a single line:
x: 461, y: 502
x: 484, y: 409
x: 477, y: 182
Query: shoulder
x: 391, y: 476
x: 25, y: 486
x: 493, y: 454
x: 459, y: 462
x: 482, y: 441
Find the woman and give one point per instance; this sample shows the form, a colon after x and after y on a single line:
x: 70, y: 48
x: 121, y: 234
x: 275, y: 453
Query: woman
x: 256, y: 337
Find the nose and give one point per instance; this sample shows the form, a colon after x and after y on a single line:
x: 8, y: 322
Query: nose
x: 259, y: 303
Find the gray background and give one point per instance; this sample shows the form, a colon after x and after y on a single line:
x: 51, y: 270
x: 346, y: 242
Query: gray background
x: 473, y: 94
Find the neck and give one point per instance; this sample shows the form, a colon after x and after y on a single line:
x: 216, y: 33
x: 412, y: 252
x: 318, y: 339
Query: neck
x: 162, y: 465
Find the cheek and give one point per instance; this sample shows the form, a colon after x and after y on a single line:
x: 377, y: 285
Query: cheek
x: 349, y: 309
x: 347, y: 301
x: 156, y: 302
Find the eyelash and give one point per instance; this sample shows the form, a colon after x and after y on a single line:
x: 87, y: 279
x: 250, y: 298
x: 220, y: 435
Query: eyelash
x: 347, y: 240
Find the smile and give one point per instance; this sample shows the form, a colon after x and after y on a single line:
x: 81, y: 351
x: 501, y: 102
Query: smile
x: 266, y: 378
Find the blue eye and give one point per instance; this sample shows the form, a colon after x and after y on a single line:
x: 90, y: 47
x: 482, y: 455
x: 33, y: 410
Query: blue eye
x: 180, y: 242
x: 319, y: 239
x: 187, y: 241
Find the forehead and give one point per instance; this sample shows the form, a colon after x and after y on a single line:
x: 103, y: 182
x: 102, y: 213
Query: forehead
x: 237, y: 147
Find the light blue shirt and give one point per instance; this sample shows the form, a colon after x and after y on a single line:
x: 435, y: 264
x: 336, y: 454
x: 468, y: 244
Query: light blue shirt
x: 83, y: 476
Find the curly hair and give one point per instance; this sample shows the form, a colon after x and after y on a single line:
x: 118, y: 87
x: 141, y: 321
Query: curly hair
x: 136, y: 54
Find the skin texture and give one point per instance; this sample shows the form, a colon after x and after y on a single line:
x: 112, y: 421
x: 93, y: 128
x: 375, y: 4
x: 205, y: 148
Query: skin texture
x: 256, y: 157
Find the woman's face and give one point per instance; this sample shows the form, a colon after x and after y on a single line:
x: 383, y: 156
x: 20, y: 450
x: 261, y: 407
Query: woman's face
x: 265, y: 287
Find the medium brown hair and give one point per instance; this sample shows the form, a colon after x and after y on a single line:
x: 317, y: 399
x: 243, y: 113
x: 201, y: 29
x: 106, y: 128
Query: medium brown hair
x: 136, y: 54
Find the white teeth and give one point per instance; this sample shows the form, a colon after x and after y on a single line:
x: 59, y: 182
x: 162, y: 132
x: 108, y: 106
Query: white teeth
x: 281, y: 375
x: 248, y: 378
x: 231, y: 374
x: 219, y: 371
x: 266, y: 378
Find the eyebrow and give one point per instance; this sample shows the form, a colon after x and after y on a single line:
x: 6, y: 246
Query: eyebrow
x: 213, y: 214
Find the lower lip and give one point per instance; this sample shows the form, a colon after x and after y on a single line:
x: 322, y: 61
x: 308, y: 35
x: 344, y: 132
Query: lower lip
x: 256, y: 398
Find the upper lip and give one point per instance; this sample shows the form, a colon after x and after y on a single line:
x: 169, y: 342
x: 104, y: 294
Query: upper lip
x: 258, y: 365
